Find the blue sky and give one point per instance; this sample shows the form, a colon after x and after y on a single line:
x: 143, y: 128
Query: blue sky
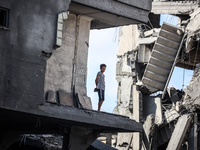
x: 103, y: 48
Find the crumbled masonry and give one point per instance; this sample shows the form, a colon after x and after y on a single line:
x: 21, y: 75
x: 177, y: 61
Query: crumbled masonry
x: 147, y: 57
x: 43, y: 71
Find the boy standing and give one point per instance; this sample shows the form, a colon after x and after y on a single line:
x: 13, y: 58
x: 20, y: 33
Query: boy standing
x: 100, y: 84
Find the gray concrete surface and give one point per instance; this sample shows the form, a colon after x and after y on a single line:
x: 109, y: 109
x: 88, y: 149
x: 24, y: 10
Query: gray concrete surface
x: 31, y: 31
x: 179, y: 132
x: 123, y: 13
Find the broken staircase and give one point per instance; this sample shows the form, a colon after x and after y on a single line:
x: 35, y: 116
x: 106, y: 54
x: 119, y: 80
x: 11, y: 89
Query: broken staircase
x: 162, y: 58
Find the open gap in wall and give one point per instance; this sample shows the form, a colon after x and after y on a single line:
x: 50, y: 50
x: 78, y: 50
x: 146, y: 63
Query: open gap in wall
x: 103, y: 49
x: 4, y: 17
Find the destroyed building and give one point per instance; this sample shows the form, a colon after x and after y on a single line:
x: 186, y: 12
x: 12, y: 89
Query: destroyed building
x: 147, y: 56
x: 43, y: 68
x: 43, y: 71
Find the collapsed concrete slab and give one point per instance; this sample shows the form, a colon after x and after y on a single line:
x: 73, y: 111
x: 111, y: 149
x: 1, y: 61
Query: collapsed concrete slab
x: 78, y: 126
x: 68, y: 116
x: 43, y: 67
x: 124, y: 13
x: 153, y: 63
x: 160, y: 65
x: 179, y: 132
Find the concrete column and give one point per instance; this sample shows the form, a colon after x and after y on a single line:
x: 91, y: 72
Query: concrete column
x: 137, y: 116
x: 80, y: 60
x: 81, y: 53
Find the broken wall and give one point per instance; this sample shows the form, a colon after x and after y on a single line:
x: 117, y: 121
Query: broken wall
x: 32, y: 29
x: 170, y: 115
x: 67, y: 67
x: 129, y: 98
x: 46, y: 56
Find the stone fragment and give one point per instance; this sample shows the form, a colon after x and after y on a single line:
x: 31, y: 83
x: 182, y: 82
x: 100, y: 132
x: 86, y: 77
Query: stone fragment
x: 51, y: 97
x: 65, y: 98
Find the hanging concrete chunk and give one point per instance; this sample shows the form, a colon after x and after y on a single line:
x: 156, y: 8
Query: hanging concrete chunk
x: 162, y: 58
x: 179, y: 132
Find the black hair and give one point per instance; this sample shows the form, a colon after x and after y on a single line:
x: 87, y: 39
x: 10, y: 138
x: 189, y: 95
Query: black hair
x: 102, y: 65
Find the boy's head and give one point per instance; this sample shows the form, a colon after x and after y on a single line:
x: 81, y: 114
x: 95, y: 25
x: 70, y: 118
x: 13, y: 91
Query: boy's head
x: 102, y: 67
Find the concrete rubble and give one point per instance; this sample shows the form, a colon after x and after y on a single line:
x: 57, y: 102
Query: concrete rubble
x: 50, y: 142
x: 43, y: 71
x: 147, y: 57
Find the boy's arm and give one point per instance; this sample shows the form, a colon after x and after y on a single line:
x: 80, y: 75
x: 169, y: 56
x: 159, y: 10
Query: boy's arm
x: 97, y: 78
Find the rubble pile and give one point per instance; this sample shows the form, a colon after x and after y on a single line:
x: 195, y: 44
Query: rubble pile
x: 50, y: 142
x: 38, y: 142
x: 147, y: 59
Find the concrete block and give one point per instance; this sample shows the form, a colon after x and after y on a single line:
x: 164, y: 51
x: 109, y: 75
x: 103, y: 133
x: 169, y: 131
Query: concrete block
x: 60, y: 26
x: 51, y: 97
x: 60, y: 20
x: 153, y: 105
x: 144, y: 54
x: 65, y: 98
x: 60, y: 16
x: 85, y: 101
x: 59, y: 42
x: 59, y: 34
x: 65, y: 15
